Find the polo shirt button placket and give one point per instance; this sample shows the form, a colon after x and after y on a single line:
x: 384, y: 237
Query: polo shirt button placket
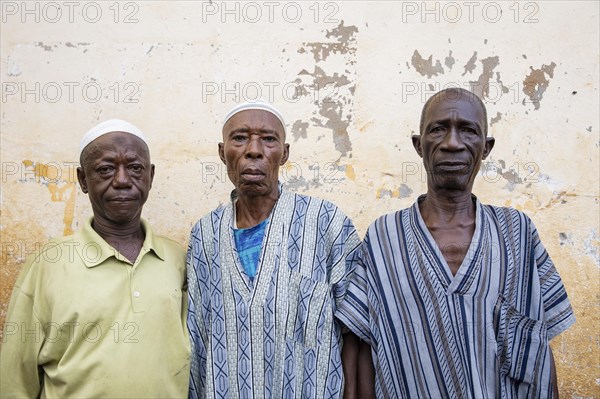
x: 135, y: 302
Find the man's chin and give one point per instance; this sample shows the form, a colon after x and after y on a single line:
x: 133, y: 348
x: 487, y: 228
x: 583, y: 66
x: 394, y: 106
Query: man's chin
x: 124, y: 217
x: 255, y: 189
x: 452, y: 182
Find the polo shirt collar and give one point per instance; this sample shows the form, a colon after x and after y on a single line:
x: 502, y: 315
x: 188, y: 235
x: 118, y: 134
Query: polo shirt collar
x: 95, y: 250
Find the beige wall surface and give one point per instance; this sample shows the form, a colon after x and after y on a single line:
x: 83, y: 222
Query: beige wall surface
x: 349, y: 76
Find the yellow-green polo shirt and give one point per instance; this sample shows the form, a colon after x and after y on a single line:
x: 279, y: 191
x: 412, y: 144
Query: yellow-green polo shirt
x: 94, y: 325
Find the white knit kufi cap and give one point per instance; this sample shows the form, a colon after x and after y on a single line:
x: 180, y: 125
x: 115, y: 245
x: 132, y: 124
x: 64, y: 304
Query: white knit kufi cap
x: 109, y: 126
x: 258, y: 104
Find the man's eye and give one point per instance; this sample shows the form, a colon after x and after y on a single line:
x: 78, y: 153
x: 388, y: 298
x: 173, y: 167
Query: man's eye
x: 269, y: 139
x: 136, y: 168
x: 469, y: 130
x: 437, y: 129
x: 104, y: 169
x: 238, y: 137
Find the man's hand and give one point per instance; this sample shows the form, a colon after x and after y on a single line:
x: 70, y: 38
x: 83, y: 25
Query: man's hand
x: 553, y: 378
x: 350, y: 364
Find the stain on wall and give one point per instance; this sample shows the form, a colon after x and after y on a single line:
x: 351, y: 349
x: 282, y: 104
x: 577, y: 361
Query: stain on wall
x: 426, y: 67
x: 536, y: 83
x: 470, y: 65
x: 61, y: 185
x: 449, y: 61
x: 333, y: 84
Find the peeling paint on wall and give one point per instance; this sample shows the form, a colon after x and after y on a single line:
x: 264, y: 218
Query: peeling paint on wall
x: 345, y: 43
x: 44, y: 46
x: 536, y: 83
x: 350, y: 174
x: 60, y: 190
x: 426, y: 67
x: 481, y: 87
x: 470, y: 65
x: 299, y: 129
x: 335, y: 89
x: 496, y: 118
x: 403, y: 191
x: 592, y: 245
x: 449, y: 61
x: 565, y: 239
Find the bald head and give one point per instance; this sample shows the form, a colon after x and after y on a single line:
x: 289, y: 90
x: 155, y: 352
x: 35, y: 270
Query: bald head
x: 454, y: 94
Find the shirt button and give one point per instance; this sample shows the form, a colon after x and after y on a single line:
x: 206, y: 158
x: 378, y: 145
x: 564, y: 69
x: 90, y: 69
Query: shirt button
x: 136, y: 294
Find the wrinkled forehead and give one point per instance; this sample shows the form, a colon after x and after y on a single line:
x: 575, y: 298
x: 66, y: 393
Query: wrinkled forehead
x: 253, y: 119
x: 458, y: 106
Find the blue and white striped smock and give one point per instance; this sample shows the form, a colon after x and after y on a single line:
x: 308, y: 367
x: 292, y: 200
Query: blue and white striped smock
x: 482, y: 333
x: 276, y: 336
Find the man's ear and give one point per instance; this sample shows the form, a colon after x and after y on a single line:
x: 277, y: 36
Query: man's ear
x: 416, y: 140
x: 151, y: 174
x: 222, y: 153
x: 286, y: 154
x: 489, y: 144
x: 82, y: 180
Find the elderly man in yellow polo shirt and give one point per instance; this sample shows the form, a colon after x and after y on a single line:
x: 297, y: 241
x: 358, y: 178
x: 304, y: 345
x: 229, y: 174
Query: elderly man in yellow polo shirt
x: 102, y: 313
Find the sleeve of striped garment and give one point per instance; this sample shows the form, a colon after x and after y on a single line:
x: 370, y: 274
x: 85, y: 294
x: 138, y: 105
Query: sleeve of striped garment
x: 195, y: 326
x: 353, y: 311
x: 22, y: 340
x: 344, y: 250
x: 558, y: 313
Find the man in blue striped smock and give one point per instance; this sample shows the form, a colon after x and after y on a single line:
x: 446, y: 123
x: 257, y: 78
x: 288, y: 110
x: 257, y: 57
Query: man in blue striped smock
x: 456, y: 299
x: 266, y: 275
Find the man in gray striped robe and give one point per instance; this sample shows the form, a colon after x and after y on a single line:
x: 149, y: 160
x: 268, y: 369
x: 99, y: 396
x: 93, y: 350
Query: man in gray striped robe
x: 266, y: 275
x: 455, y: 298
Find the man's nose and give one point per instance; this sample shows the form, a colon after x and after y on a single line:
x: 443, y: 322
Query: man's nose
x: 121, y: 178
x: 254, y: 148
x: 453, y: 140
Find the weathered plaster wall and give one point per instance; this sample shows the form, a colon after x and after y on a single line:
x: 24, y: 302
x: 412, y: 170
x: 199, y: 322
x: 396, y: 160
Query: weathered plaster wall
x: 351, y: 78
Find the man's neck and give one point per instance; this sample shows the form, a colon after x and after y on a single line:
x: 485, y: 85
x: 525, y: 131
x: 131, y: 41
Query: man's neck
x: 450, y: 218
x: 250, y: 211
x: 126, y: 238
x: 447, y: 208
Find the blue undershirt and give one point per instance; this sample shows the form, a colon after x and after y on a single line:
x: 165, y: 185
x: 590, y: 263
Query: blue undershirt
x: 248, y: 243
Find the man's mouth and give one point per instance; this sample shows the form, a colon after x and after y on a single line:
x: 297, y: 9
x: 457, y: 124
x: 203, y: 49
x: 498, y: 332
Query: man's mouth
x: 122, y: 199
x: 252, y: 174
x: 451, y: 166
